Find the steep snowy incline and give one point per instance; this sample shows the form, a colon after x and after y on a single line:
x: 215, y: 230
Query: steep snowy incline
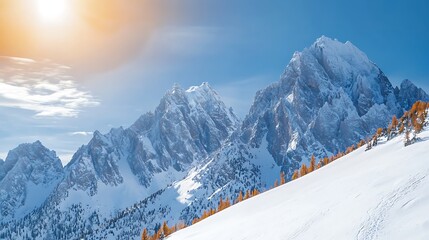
x: 378, y: 194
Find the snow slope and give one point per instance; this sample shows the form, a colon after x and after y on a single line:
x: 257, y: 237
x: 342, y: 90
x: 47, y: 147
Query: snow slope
x: 378, y: 194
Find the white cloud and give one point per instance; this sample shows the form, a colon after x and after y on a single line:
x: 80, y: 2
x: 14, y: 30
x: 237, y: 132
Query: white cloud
x: 81, y: 133
x: 42, y: 87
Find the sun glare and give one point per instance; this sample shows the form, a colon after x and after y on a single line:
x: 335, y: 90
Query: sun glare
x: 52, y: 10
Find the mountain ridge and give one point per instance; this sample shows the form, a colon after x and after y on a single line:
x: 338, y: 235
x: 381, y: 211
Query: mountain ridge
x: 177, y: 161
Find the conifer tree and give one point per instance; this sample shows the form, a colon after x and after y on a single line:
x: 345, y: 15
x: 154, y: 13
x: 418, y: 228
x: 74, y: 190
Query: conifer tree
x: 255, y: 192
x: 295, y: 175
x: 227, y: 203
x: 247, y: 196
x: 361, y: 143
x: 282, y: 178
x: 325, y: 161
x: 394, y: 122
x: 220, y: 205
x: 312, y: 164
x: 239, y: 197
x: 145, y: 235
x: 276, y: 183
x: 165, y: 229
x: 379, y: 132
x: 303, y: 170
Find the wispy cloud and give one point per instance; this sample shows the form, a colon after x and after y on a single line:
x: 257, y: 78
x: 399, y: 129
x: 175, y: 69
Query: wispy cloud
x: 81, y: 133
x: 42, y: 87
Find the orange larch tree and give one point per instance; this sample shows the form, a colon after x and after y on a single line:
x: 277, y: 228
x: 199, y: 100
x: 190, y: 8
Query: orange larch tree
x: 303, y: 170
x: 145, y: 235
x: 239, y: 197
x: 312, y: 164
x: 295, y: 175
x: 282, y: 178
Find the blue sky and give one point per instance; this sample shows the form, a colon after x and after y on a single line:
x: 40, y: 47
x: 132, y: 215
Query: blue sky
x: 237, y: 46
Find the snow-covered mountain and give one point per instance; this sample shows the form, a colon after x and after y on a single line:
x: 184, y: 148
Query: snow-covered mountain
x: 28, y: 175
x: 118, y: 169
x: 408, y: 94
x: 176, y: 162
x: 158, y: 149
x: 329, y: 97
x: 378, y: 194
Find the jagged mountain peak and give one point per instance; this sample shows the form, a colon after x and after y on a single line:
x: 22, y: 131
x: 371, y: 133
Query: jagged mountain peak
x: 31, y: 172
x: 408, y: 85
x: 408, y: 93
x: 158, y: 149
x: 329, y: 96
x: 29, y: 156
x: 194, y: 94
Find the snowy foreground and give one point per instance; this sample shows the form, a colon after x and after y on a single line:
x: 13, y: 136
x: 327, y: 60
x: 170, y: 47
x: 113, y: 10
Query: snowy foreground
x: 379, y: 194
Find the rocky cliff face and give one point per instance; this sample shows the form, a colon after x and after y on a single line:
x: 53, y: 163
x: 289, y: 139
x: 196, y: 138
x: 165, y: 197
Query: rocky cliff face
x: 30, y: 173
x: 185, y: 128
x: 408, y: 93
x: 329, y: 97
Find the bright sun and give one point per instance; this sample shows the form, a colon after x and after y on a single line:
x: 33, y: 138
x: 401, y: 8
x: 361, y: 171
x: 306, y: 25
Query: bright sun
x: 52, y: 10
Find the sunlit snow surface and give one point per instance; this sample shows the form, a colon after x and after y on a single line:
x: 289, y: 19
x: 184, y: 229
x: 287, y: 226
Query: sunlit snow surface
x: 378, y: 194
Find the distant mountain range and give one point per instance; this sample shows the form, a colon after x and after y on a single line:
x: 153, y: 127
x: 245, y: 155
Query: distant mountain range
x: 177, y: 161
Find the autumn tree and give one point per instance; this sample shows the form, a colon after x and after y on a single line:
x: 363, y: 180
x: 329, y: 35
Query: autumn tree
x: 303, y: 170
x: 312, y: 164
x: 239, y: 197
x: 282, y: 178
x: 165, y: 229
x: 157, y: 235
x: 220, y: 205
x: 295, y: 175
x: 276, y: 183
x: 417, y: 114
x: 379, y: 132
x: 145, y: 235
x: 350, y: 149
x: 389, y: 131
x: 394, y: 122
x: 247, y: 195
x: 325, y: 161
x: 255, y: 192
